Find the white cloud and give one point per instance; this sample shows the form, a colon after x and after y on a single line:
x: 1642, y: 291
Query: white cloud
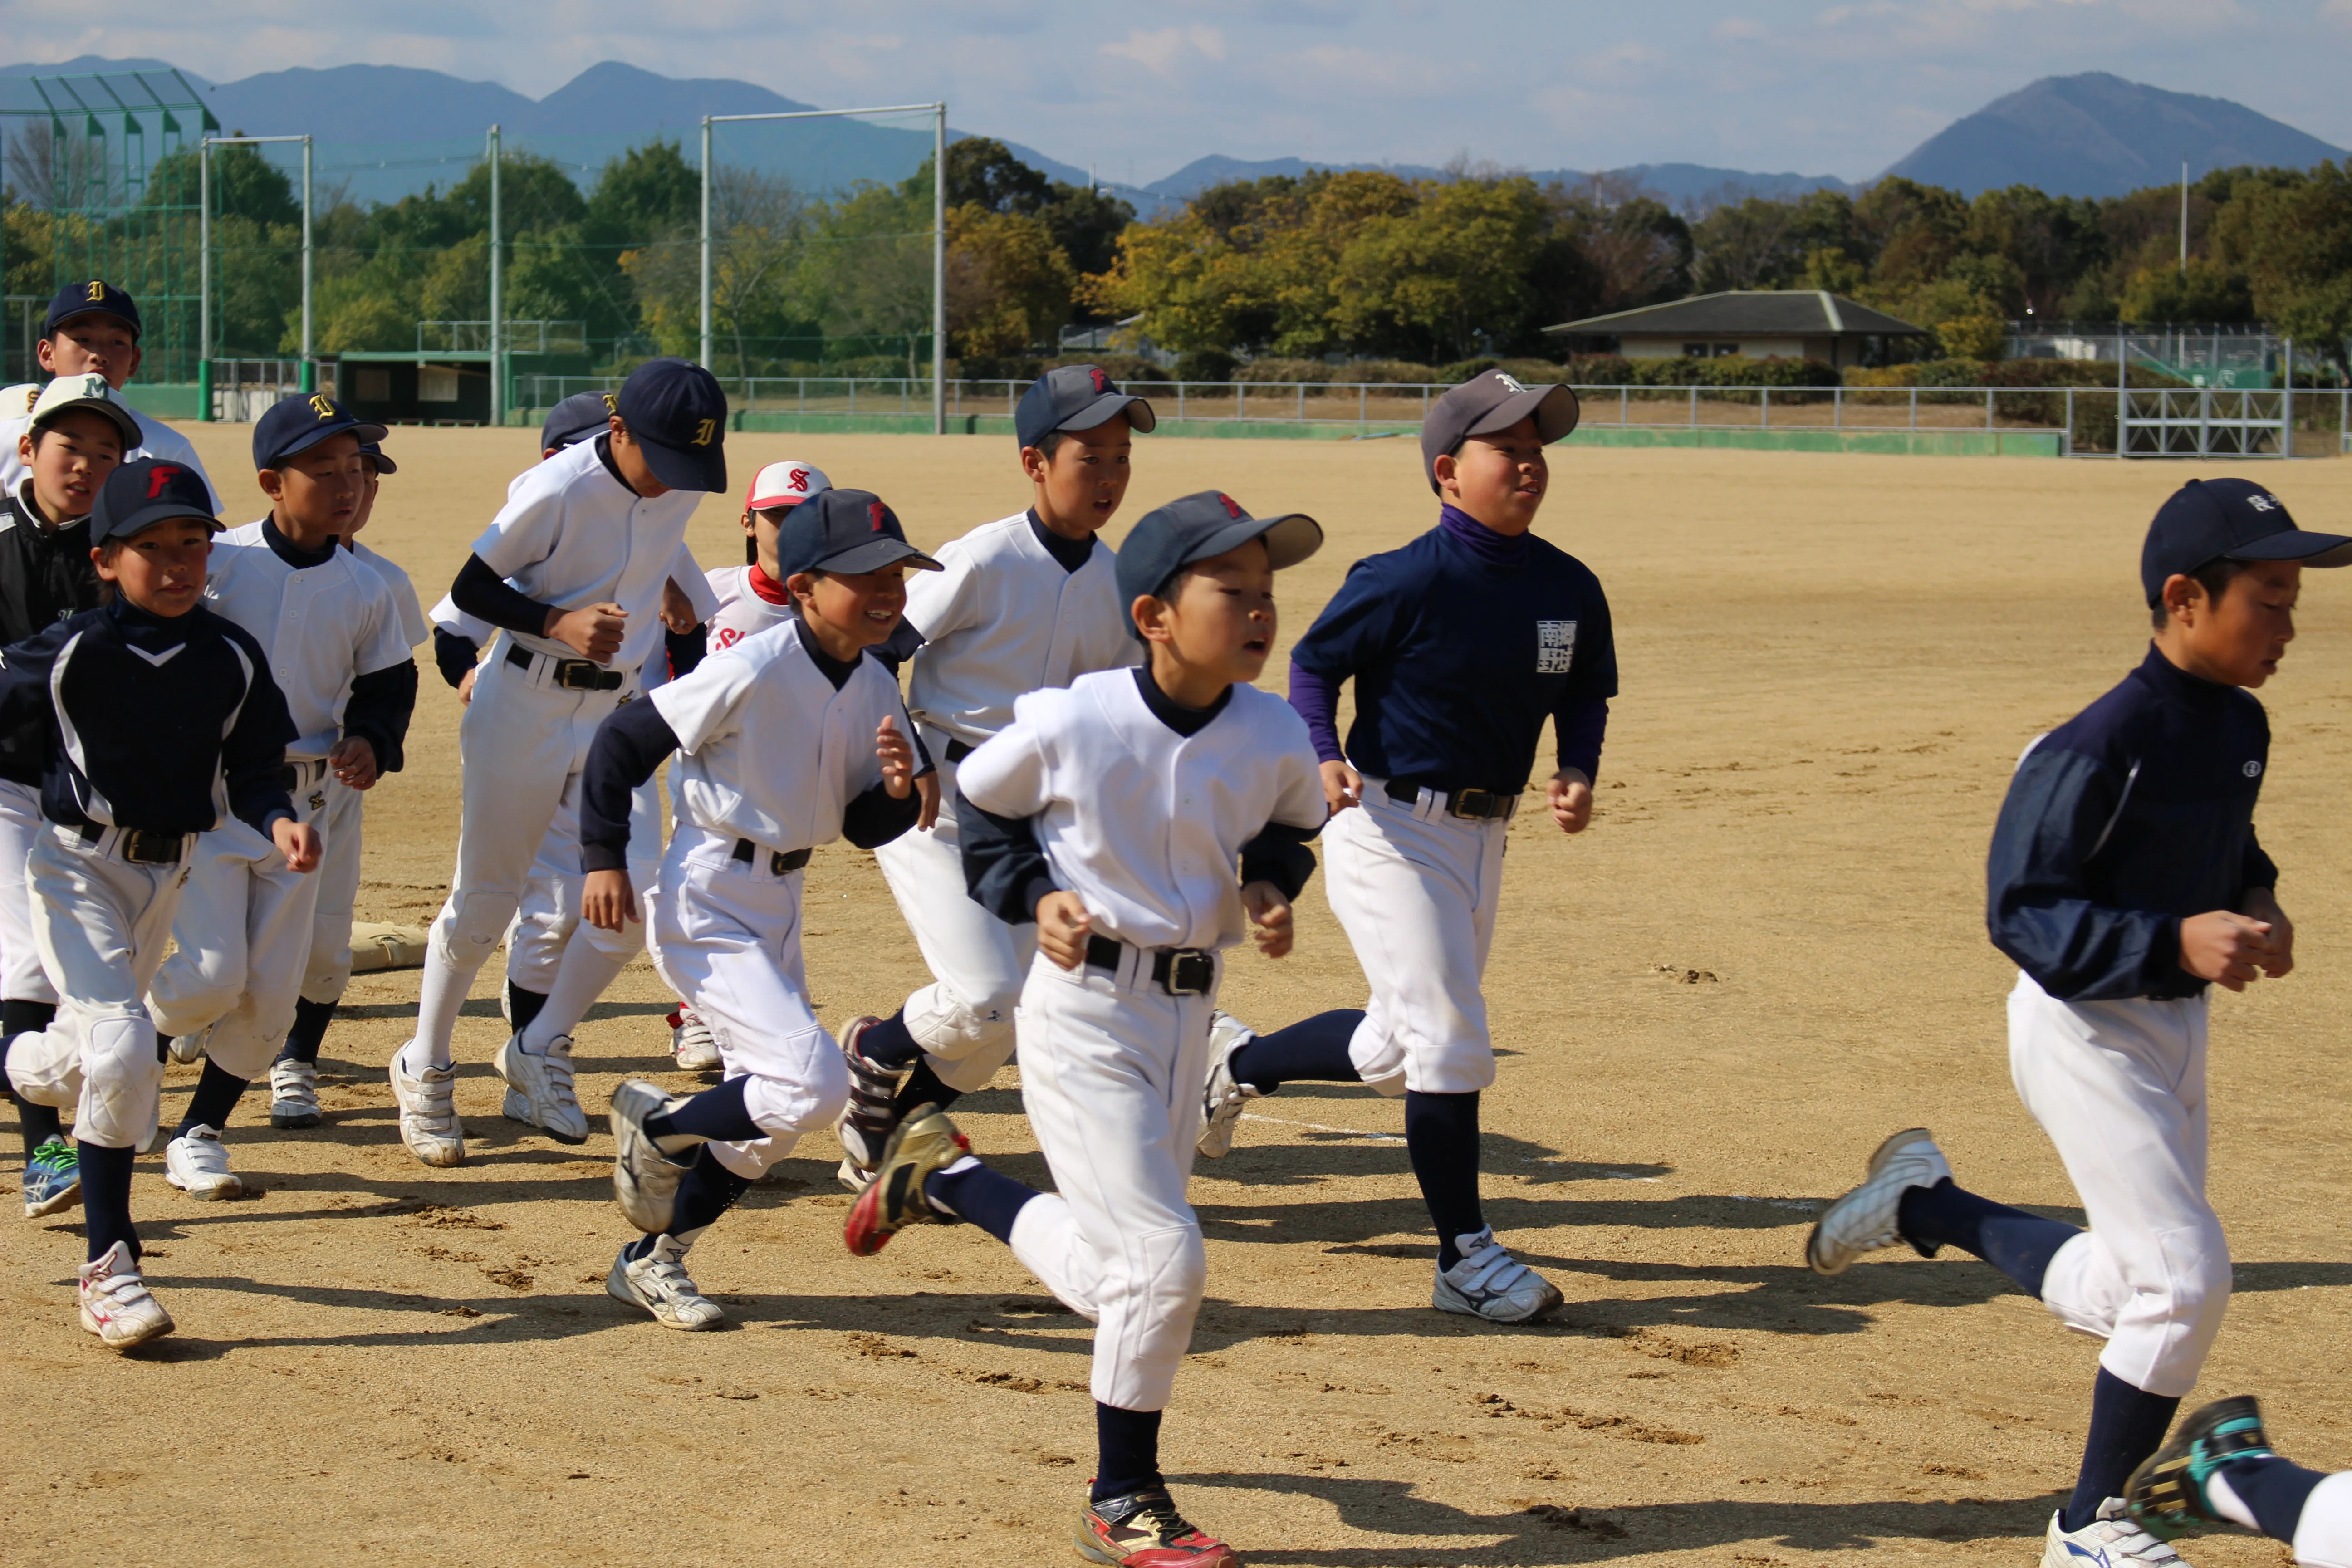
x: 1160, y: 52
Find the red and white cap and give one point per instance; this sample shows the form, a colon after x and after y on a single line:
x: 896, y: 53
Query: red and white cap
x: 787, y: 483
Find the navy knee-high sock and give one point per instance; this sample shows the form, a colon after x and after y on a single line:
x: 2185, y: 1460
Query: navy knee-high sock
x: 2276, y: 1490
x: 716, y: 1115
x: 106, y: 1198
x: 709, y: 1190
x: 2127, y: 1424
x: 2019, y: 1245
x: 310, y: 1030
x: 522, y: 1005
x: 1127, y: 1452
x: 215, y: 1097
x: 1441, y: 1135
x: 37, y: 1123
x: 1312, y: 1050
x: 922, y: 1088
x: 989, y: 1199
x: 890, y: 1042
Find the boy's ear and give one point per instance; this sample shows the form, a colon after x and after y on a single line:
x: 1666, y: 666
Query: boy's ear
x: 1149, y: 614
x: 272, y: 483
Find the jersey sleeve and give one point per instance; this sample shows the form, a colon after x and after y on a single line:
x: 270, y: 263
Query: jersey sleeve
x: 1357, y: 629
x: 695, y: 583
x: 700, y: 708
x: 2038, y: 905
x: 526, y: 531
x: 1593, y: 675
x: 944, y: 600
x: 1010, y: 774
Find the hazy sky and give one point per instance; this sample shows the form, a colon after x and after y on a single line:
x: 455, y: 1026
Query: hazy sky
x: 1841, y: 88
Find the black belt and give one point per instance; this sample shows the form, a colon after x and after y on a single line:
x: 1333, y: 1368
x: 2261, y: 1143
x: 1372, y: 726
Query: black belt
x: 1179, y: 971
x: 570, y: 674
x: 956, y: 750
x: 291, y: 775
x: 141, y: 846
x: 781, y: 861
x: 1477, y: 804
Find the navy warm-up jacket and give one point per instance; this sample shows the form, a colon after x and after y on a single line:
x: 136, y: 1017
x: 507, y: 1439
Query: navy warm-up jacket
x: 2134, y: 814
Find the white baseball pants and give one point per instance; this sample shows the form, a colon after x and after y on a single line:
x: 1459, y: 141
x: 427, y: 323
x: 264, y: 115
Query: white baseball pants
x: 20, y: 958
x: 963, y: 1020
x: 243, y: 940
x: 549, y: 910
x: 2322, y: 1537
x: 100, y: 923
x: 523, y: 741
x: 2120, y: 1089
x: 335, y: 901
x: 1417, y: 892
x: 1112, y: 1068
x: 726, y: 936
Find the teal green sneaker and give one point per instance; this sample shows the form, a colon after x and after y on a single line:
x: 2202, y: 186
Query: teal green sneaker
x: 2165, y: 1495
x: 52, y: 1179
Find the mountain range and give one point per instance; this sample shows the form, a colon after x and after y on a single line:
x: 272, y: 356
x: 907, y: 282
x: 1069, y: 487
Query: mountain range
x: 386, y: 131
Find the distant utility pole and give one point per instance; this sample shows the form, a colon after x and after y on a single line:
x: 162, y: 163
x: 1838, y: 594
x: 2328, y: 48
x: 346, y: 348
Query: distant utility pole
x: 2184, y: 219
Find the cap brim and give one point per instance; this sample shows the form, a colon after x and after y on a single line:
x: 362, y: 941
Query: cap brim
x: 384, y: 465
x: 1554, y: 409
x: 559, y: 439
x: 1289, y: 538
x: 364, y: 431
x: 875, y: 554
x: 781, y: 503
x: 126, y: 422
x: 141, y: 521
x: 72, y: 316
x: 2295, y: 544
x: 1102, y: 408
x: 681, y: 469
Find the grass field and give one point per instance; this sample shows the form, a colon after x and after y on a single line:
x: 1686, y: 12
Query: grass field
x: 1768, y: 953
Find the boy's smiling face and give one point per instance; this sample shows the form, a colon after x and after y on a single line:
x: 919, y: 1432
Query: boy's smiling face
x: 161, y: 568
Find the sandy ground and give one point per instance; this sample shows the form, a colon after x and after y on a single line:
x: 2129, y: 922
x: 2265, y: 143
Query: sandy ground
x: 1766, y: 955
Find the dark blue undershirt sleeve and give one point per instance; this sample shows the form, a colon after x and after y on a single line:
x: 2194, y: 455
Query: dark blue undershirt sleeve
x: 25, y: 698
x: 2038, y: 907
x: 1579, y: 724
x: 1279, y: 854
x: 378, y: 711
x: 687, y: 649
x: 1004, y: 866
x: 453, y: 655
x: 900, y: 648
x: 878, y: 816
x: 253, y: 753
x: 629, y: 746
x: 482, y: 594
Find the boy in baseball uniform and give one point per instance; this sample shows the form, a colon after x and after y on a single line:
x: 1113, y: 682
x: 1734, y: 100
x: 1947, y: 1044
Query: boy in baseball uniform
x: 1461, y: 646
x: 787, y: 739
x: 161, y: 721
x: 1112, y: 813
x: 294, y: 1076
x: 78, y: 432
x: 1025, y: 603
x: 91, y: 328
x: 2125, y: 878
x: 571, y: 571
x: 2220, y: 1469
x: 337, y: 649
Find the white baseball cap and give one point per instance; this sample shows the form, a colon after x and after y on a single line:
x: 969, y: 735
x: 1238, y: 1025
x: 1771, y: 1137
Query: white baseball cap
x: 90, y: 392
x: 787, y: 483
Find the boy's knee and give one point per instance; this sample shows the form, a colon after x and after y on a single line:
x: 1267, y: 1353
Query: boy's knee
x: 123, y: 1082
x: 953, y: 1027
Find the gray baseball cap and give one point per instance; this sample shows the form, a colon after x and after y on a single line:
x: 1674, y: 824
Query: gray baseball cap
x: 1075, y: 397
x: 1486, y: 404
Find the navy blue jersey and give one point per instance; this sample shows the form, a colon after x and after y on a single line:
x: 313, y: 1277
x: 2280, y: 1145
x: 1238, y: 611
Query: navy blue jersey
x: 2134, y: 814
x: 168, y: 725
x: 46, y: 574
x: 1458, y: 660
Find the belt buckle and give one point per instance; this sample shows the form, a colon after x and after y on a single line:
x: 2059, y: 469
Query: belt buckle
x: 141, y: 846
x: 776, y: 864
x: 576, y: 675
x: 1478, y: 805
x: 1191, y: 973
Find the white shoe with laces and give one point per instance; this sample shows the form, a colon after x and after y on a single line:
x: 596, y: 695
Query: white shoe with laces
x: 1223, y: 1100
x: 293, y: 1094
x: 539, y: 1088
x: 429, y: 1111
x: 2113, y: 1540
x: 115, y: 1303
x: 1864, y: 1219
x: 1490, y: 1283
x: 658, y: 1283
x: 197, y: 1164
x: 645, y: 1180
x: 691, y: 1042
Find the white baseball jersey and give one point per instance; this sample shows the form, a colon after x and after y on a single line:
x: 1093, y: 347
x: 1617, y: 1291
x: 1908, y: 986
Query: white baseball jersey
x: 768, y: 750
x: 686, y: 572
x: 745, y: 607
x: 156, y: 439
x: 321, y: 624
x: 403, y: 593
x: 1002, y: 618
x: 572, y: 535
x: 1147, y: 825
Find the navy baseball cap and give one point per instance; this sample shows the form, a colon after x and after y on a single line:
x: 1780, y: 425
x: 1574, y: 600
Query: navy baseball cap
x: 95, y: 296
x: 2235, y: 520
x: 677, y: 412
x: 1075, y: 397
x: 294, y: 425
x: 1486, y: 404
x: 374, y: 453
x: 139, y: 495
x: 1197, y: 527
x: 846, y: 532
x: 577, y: 418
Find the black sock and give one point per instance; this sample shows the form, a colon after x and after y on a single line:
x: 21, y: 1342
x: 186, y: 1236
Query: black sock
x: 1127, y: 1452
x: 2275, y: 1490
x: 1312, y: 1050
x: 716, y: 1115
x: 1441, y: 1135
x: 709, y: 1190
x: 2019, y: 1245
x: 106, y: 1198
x: 2127, y: 1424
x: 310, y: 1030
x: 990, y: 1199
x: 922, y: 1088
x: 37, y: 1123
x: 215, y: 1100
x: 522, y: 1006
x: 890, y: 1042
x: 19, y: 1017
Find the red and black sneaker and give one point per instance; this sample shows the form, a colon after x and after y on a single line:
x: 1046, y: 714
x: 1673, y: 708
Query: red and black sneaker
x: 866, y: 1127
x: 1143, y: 1530
x: 926, y: 1143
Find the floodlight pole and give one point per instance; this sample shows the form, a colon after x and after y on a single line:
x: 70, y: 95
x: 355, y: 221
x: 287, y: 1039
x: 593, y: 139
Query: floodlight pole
x: 204, y: 247
x: 706, y: 243
x: 2184, y: 219
x: 310, y: 371
x: 498, y: 289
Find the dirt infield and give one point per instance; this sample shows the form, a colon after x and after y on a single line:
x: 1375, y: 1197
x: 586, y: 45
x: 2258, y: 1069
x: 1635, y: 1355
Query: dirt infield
x: 1768, y: 953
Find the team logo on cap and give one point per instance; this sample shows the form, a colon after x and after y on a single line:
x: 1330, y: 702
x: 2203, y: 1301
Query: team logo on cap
x: 2262, y: 502
x: 611, y: 404
x: 704, y: 431
x: 797, y: 480
x: 159, y: 476
x: 1233, y: 507
x: 323, y: 405
x: 873, y: 510
x: 1510, y: 381
x: 97, y: 292
x: 1102, y: 382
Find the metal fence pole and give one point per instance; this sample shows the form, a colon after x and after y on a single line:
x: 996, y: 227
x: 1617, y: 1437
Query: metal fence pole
x: 497, y: 282
x: 1915, y: 408
x: 2286, y: 406
x: 309, y: 382
x: 1625, y: 407
x: 1693, y: 407
x: 940, y: 270
x: 204, y: 279
x: 1837, y: 407
x: 1765, y: 403
x: 706, y: 242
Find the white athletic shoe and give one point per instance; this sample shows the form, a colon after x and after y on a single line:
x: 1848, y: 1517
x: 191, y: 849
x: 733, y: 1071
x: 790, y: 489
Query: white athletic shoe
x: 198, y: 1165
x: 645, y: 1180
x: 187, y: 1048
x: 1863, y: 1220
x: 658, y: 1283
x: 539, y: 1088
x: 2110, y: 1540
x: 115, y: 1305
x: 293, y: 1095
x: 1490, y: 1283
x: 692, y: 1041
x: 1221, y: 1101
x: 429, y: 1111
x: 852, y: 1175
